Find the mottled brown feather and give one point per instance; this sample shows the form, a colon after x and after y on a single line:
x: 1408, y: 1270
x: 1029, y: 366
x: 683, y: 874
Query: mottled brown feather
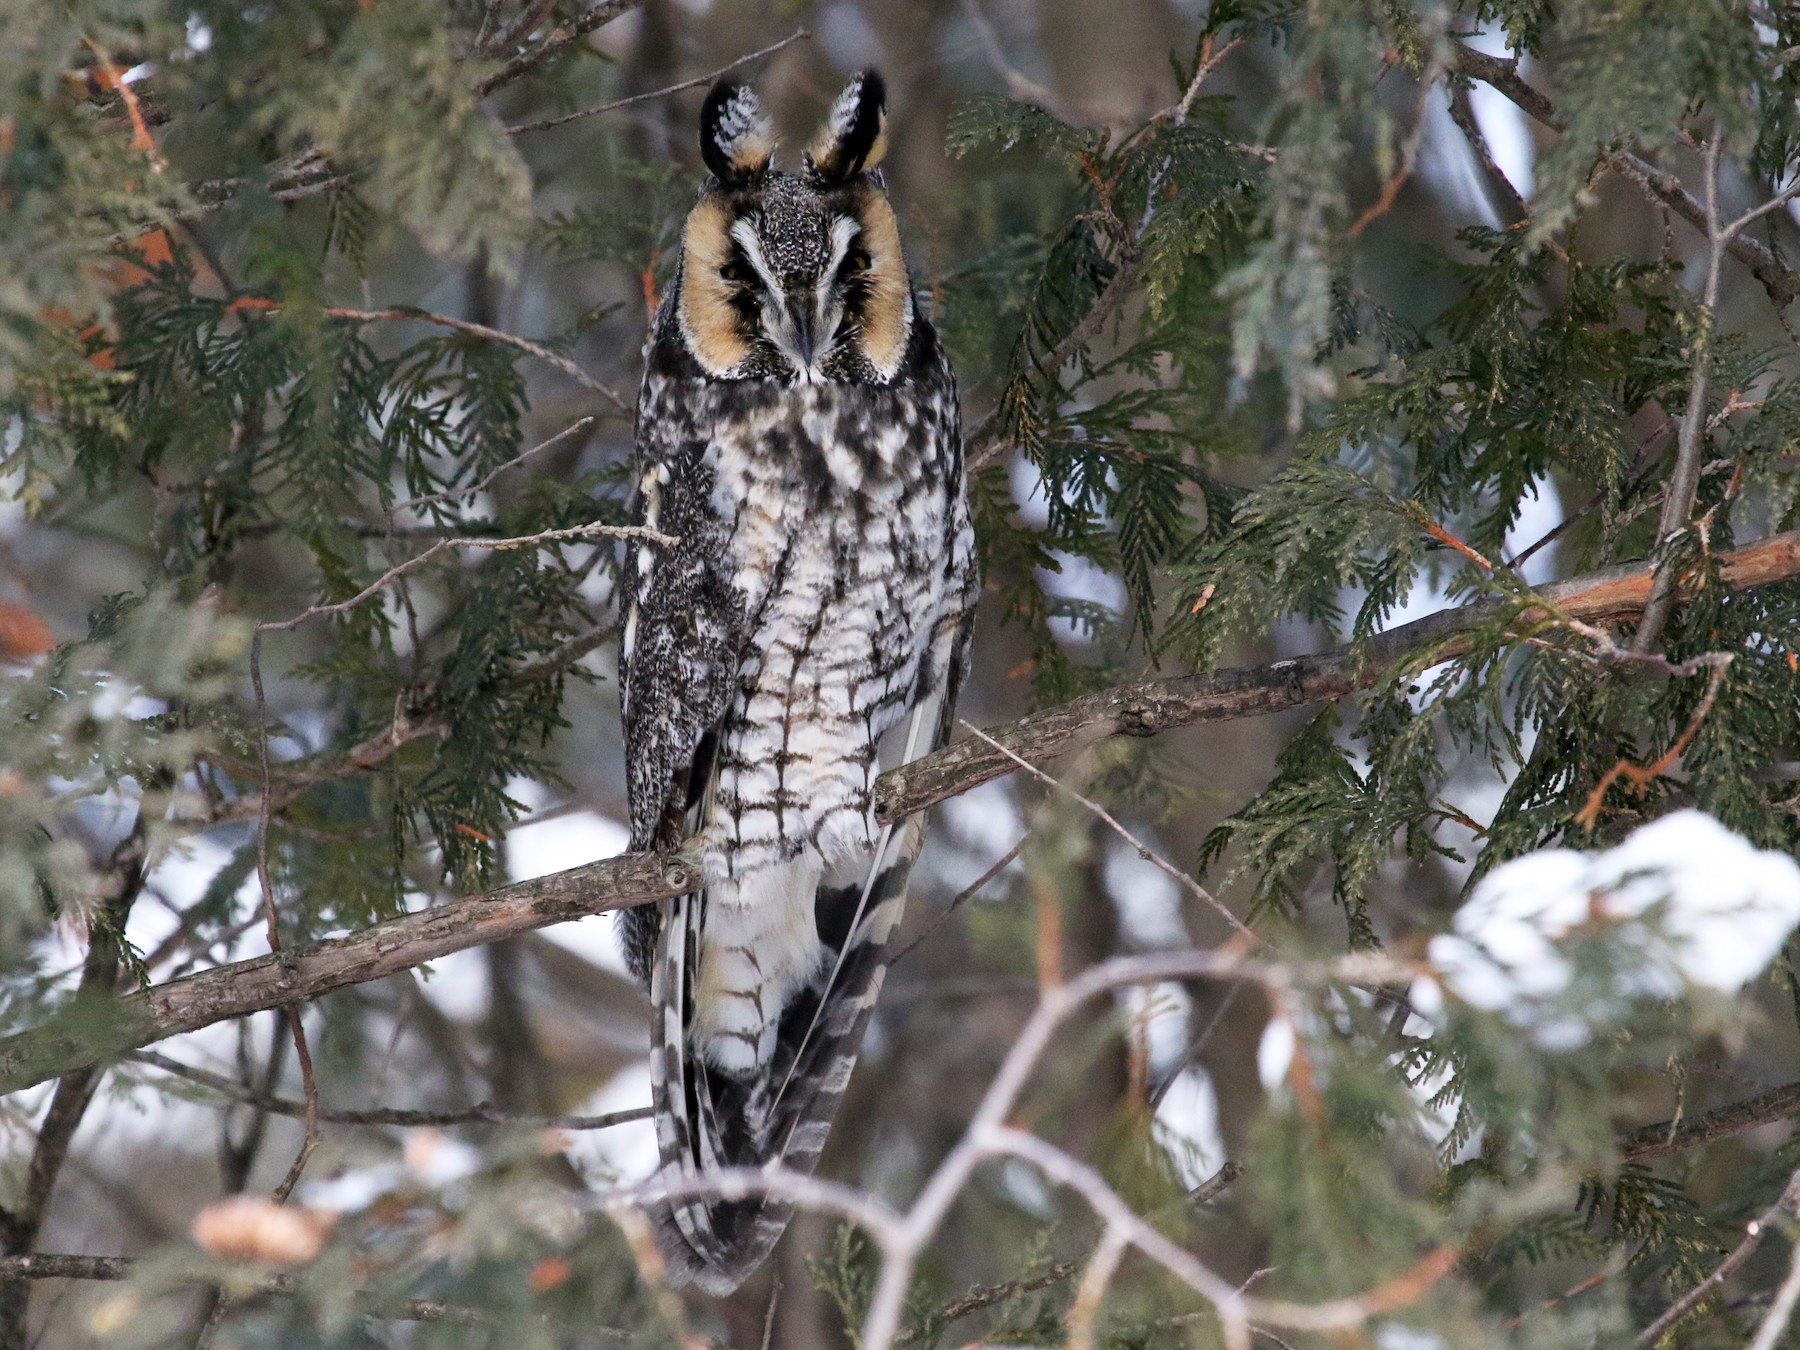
x: 708, y: 320
x: 885, y: 326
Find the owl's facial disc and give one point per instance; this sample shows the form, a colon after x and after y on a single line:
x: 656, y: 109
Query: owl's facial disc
x: 801, y: 286
x: 795, y: 277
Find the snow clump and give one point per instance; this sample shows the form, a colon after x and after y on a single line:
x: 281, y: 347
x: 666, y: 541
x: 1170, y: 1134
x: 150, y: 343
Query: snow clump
x: 1681, y: 901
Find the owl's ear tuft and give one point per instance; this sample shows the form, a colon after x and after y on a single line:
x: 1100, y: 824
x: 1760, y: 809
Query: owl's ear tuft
x: 854, y: 137
x: 736, y: 141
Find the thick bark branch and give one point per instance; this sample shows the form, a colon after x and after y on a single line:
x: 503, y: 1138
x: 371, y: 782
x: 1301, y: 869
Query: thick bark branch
x: 84, y: 1037
x: 86, y: 1034
x: 1153, y: 706
x: 1671, y: 1137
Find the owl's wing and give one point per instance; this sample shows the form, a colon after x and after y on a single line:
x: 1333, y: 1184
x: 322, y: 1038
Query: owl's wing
x: 683, y: 637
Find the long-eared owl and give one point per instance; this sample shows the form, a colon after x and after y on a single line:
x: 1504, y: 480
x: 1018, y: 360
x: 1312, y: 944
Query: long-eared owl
x: 798, y: 433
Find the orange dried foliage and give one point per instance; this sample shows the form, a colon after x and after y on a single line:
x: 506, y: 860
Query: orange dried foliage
x: 254, y: 1228
x: 548, y: 1274
x: 23, y: 633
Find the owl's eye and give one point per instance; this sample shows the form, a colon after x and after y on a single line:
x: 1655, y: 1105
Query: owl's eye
x: 855, y: 263
x: 737, y: 272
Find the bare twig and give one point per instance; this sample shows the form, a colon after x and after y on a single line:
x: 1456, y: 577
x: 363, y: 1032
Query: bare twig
x: 537, y: 540
x: 479, y: 1114
x: 291, y: 1010
x: 448, y: 494
x: 1788, y: 1204
x: 902, y: 1238
x: 558, y: 38
x: 1144, y: 851
x: 1409, y: 154
x: 967, y: 893
x: 1781, y: 1311
x: 546, y: 123
x: 1218, y: 1183
x: 987, y: 1295
x: 1640, y: 776
x: 1018, y: 84
x: 481, y: 330
x: 1678, y: 498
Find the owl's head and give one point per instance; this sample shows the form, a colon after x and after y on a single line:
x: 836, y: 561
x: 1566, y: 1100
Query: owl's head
x: 794, y: 276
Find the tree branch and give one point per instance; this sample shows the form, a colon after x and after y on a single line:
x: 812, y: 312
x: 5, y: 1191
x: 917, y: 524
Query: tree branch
x: 1154, y: 706
x: 480, y: 1114
x: 65, y: 1043
x: 72, y: 1039
x: 1782, y: 284
x: 560, y: 37
x: 1670, y: 1137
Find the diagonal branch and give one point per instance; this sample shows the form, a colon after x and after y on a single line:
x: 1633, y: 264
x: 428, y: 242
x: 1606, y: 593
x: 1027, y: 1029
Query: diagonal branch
x: 1154, y: 706
x: 65, y: 1043
x: 546, y: 123
x: 559, y: 38
x: 1502, y: 73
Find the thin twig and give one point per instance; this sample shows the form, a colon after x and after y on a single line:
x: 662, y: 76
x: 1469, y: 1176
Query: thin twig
x: 480, y: 1114
x: 1684, y: 482
x: 1754, y: 1231
x: 291, y: 1010
x: 1641, y: 776
x: 419, y: 503
x: 1144, y: 851
x: 1019, y: 85
x: 1781, y: 1312
x: 1409, y: 153
x: 538, y: 540
x: 546, y: 123
x: 481, y: 330
x: 967, y: 893
x: 987, y: 1295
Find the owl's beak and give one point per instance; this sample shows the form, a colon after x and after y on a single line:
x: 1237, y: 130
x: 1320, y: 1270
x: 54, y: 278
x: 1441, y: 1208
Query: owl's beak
x: 800, y: 303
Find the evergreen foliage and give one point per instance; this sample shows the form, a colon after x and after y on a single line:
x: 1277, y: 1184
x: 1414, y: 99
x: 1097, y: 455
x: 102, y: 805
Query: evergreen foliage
x: 1245, y: 359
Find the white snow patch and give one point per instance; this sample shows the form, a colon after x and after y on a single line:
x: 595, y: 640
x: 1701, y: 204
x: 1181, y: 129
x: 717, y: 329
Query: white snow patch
x: 1187, y: 1126
x: 1682, y: 900
x: 558, y: 844
x: 1275, y: 1052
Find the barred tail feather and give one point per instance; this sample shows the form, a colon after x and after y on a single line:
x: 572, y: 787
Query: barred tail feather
x: 782, y: 1113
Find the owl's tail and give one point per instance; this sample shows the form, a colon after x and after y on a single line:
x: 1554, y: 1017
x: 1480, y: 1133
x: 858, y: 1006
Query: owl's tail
x: 778, y: 1112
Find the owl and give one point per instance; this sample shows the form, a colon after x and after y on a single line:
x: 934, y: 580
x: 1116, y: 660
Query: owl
x: 798, y: 432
